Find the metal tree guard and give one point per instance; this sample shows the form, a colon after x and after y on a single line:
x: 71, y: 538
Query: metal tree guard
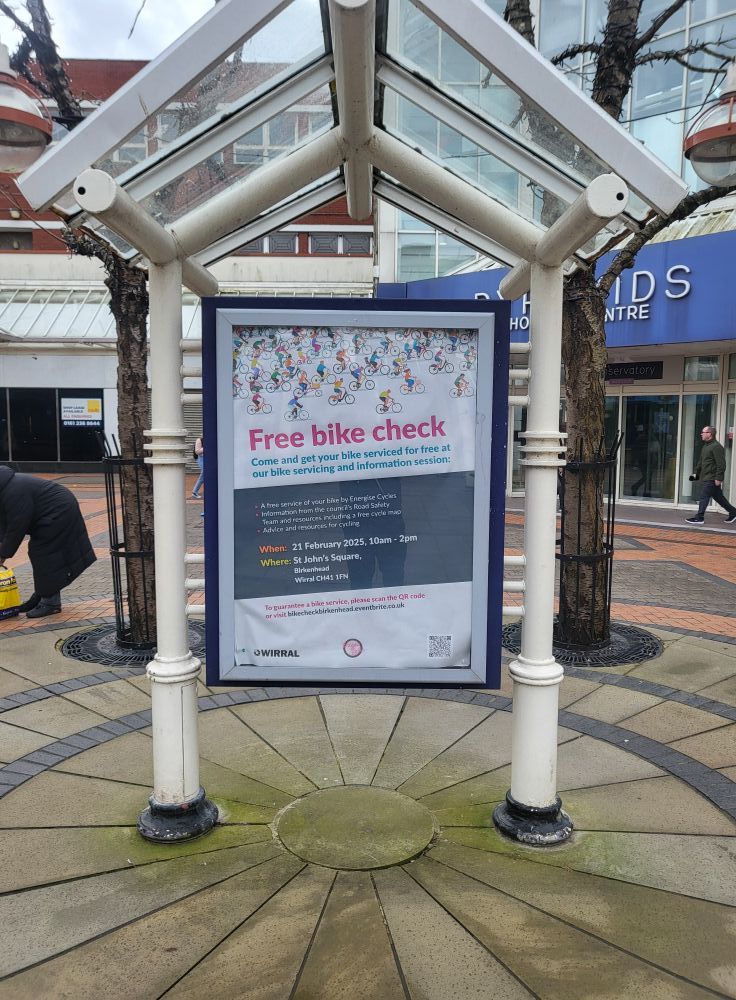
x: 122, y: 559
x: 598, y: 475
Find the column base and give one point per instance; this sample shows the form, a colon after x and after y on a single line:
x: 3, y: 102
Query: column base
x: 170, y: 824
x: 534, y: 826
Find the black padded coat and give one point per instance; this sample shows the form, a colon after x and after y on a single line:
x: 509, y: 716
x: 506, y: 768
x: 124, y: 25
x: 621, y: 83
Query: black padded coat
x: 59, y: 547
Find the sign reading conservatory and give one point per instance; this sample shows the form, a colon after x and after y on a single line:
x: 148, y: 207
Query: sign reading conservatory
x: 355, y: 483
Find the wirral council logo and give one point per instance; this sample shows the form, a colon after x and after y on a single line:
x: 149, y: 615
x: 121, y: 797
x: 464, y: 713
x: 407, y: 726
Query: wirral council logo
x: 276, y: 652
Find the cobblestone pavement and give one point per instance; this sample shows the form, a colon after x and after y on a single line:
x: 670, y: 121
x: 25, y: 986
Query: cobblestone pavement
x: 639, y: 903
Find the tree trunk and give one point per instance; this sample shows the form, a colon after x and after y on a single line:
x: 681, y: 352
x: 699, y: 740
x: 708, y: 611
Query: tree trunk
x: 129, y: 304
x: 583, y: 617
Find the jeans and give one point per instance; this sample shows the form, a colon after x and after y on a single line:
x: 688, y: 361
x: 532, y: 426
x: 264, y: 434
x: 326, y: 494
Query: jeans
x: 198, y: 484
x: 710, y: 491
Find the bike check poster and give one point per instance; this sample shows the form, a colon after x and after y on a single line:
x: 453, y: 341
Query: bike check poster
x: 354, y: 500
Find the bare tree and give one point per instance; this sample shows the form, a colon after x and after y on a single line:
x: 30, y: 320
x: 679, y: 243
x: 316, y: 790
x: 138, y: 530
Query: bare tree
x: 129, y: 306
x: 624, y: 45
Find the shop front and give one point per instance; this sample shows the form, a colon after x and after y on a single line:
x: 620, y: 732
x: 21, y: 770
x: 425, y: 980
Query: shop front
x: 671, y: 336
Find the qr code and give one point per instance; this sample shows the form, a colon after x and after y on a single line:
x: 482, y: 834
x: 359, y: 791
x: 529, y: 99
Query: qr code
x: 439, y: 646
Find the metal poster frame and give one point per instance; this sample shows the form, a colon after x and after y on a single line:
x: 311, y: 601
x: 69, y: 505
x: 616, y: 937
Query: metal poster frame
x: 490, y: 322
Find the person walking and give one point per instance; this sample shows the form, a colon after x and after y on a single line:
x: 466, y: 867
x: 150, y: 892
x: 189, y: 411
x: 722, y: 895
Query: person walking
x: 710, y: 470
x: 199, y: 455
x: 59, y: 547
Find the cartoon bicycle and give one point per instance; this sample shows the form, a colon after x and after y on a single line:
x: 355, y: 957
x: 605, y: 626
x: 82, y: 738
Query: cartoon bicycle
x: 262, y: 407
x: 441, y: 366
x: 462, y: 387
x: 340, y: 395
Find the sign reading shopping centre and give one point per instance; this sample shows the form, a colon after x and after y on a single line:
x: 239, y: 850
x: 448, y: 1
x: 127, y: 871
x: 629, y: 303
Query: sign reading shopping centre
x: 355, y: 457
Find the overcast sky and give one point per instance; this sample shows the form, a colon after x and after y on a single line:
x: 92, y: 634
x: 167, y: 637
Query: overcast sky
x: 98, y: 29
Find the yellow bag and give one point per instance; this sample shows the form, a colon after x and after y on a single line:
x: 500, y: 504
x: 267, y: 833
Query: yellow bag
x: 9, y: 593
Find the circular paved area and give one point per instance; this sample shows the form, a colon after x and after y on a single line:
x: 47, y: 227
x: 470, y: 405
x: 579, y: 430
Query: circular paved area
x: 639, y: 903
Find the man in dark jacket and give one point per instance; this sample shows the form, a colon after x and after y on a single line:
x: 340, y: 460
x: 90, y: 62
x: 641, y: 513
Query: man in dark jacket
x: 59, y: 547
x: 710, y: 470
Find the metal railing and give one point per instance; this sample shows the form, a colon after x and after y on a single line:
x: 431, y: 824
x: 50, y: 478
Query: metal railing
x: 586, y: 565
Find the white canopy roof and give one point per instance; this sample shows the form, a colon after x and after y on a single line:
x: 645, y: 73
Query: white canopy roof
x: 439, y: 108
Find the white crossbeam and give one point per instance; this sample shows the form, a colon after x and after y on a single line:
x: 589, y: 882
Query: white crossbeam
x: 244, y: 201
x: 453, y: 195
x: 353, y: 27
x: 97, y: 193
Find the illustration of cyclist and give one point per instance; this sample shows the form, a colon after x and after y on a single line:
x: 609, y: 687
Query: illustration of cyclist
x: 342, y: 358
x: 357, y: 372
x: 257, y: 401
x: 439, y: 357
x: 321, y: 369
x: 453, y: 338
x: 387, y: 400
x: 409, y: 380
x: 372, y: 362
x: 275, y: 378
x: 469, y: 354
x: 315, y: 344
x: 461, y: 384
x: 339, y: 391
x: 302, y: 381
x: 398, y: 366
x: 295, y: 405
x: 290, y: 366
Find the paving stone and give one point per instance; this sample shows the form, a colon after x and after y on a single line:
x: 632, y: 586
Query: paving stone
x: 33, y: 657
x: 484, y: 748
x: 623, y: 930
x: 34, y: 857
x: 484, y: 788
x: 729, y: 772
x: 12, y: 683
x: 359, y: 729
x: 37, y: 924
x: 698, y: 866
x: 587, y: 762
x: 670, y: 721
x: 278, y: 935
x: 424, y: 730
x: 296, y: 728
x: 112, y: 700
x: 574, y: 688
x: 611, y: 703
x: 716, y: 748
x: 655, y: 805
x: 461, y: 968
x: 226, y: 740
x: 690, y: 664
x: 335, y: 967
x: 724, y: 691
x: 144, y: 958
x: 16, y: 742
x: 54, y: 717
x: 56, y: 799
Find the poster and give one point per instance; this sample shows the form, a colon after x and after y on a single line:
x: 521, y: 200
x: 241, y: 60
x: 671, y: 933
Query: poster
x: 354, y: 522
x: 80, y: 412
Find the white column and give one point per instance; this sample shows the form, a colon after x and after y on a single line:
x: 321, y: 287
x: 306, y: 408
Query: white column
x: 178, y: 808
x: 532, y: 812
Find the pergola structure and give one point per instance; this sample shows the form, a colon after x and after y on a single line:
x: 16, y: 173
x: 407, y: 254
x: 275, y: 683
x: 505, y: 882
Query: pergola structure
x: 518, y: 163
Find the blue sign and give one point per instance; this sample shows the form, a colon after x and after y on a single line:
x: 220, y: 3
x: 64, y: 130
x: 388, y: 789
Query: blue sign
x: 677, y: 292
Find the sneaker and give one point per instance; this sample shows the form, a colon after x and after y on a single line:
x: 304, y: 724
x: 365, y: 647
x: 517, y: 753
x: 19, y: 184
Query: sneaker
x: 695, y: 520
x: 731, y: 519
x: 195, y: 495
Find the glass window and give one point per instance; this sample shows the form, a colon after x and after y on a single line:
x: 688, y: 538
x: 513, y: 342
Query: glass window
x: 33, y: 425
x: 255, y: 246
x: 650, y: 447
x: 416, y: 253
x: 701, y: 87
x: 407, y: 221
x: 452, y: 254
x: 282, y: 243
x: 610, y: 421
x: 732, y: 366
x: 323, y: 243
x: 560, y: 25
x: 80, y: 424
x: 356, y: 243
x: 704, y: 369
x: 698, y: 411
x: 703, y: 9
